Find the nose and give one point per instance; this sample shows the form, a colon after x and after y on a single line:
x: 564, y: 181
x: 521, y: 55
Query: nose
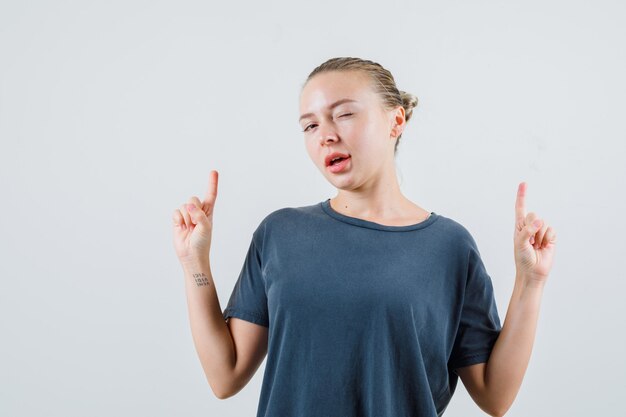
x: 327, y: 134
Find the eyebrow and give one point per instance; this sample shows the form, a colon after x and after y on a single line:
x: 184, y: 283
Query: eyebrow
x: 332, y: 106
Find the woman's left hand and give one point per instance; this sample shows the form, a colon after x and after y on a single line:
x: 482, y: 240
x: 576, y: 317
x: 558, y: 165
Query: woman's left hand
x: 533, y: 243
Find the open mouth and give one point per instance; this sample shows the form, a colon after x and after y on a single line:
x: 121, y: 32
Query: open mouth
x: 338, y: 164
x: 337, y: 160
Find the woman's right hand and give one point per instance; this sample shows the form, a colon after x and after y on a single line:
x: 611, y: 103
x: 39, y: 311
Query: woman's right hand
x: 193, y: 226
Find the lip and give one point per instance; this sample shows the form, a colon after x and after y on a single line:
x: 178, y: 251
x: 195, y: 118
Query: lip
x: 333, y: 156
x: 339, y: 166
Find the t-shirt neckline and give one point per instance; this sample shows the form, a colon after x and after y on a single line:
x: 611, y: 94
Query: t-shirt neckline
x: 325, y: 205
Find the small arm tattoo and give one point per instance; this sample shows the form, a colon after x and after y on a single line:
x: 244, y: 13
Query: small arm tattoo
x: 201, y: 279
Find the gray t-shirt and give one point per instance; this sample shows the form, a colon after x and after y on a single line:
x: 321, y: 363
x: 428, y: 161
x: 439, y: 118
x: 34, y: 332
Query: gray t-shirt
x: 365, y: 319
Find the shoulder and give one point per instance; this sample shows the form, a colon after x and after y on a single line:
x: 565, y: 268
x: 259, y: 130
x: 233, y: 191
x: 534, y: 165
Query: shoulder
x: 285, y: 218
x: 288, y: 214
x: 457, y: 234
x: 462, y: 246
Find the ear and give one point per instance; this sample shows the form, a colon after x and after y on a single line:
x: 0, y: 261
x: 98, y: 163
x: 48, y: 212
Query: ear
x: 398, y: 122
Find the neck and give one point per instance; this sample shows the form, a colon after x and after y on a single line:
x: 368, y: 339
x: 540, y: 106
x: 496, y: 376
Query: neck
x: 382, y: 201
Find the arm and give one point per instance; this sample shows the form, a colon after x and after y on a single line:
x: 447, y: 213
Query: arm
x: 211, y: 335
x: 494, y: 385
x: 230, y: 353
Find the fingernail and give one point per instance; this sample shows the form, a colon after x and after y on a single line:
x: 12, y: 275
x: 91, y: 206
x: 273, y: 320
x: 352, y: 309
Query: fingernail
x: 191, y: 207
x: 537, y: 223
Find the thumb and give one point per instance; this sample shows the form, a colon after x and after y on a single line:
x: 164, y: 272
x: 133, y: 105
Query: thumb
x: 530, y: 229
x: 198, y: 217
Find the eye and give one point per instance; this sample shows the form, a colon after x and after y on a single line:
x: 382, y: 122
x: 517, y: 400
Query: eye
x: 313, y: 124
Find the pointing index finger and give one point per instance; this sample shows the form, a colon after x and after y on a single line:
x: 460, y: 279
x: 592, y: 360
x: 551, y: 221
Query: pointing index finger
x: 520, y: 203
x: 211, y: 191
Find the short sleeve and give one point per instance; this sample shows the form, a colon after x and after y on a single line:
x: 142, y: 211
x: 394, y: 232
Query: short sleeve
x: 248, y: 300
x: 479, y: 325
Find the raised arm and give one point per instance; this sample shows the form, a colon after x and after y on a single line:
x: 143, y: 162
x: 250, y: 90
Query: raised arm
x: 230, y: 352
x: 494, y: 385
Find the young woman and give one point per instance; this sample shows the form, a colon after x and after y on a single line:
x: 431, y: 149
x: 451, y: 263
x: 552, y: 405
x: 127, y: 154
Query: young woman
x: 366, y: 304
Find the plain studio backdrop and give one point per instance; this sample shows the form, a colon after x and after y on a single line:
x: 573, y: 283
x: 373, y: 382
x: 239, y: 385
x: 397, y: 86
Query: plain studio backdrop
x: 112, y: 115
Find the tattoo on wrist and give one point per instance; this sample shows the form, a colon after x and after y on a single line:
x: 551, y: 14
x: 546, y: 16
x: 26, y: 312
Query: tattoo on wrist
x: 201, y: 279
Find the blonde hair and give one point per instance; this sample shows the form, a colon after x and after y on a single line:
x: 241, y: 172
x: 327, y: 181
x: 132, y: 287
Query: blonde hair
x: 383, y: 83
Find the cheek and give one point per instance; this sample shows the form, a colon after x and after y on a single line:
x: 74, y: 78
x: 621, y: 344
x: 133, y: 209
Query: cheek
x: 308, y: 145
x: 312, y: 152
x: 353, y: 128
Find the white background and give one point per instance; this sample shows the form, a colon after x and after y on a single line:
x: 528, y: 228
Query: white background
x: 113, y: 113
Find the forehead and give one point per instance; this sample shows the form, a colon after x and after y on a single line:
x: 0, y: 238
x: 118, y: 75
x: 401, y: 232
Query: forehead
x: 326, y: 88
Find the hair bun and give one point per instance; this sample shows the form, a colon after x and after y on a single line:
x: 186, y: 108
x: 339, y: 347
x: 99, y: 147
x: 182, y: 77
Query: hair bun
x: 409, y: 102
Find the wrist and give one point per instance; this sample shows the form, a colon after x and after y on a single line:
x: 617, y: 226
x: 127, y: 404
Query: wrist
x: 196, y: 266
x: 524, y: 283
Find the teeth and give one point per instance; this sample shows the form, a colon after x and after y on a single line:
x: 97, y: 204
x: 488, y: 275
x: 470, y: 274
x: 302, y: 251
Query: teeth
x: 332, y: 161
